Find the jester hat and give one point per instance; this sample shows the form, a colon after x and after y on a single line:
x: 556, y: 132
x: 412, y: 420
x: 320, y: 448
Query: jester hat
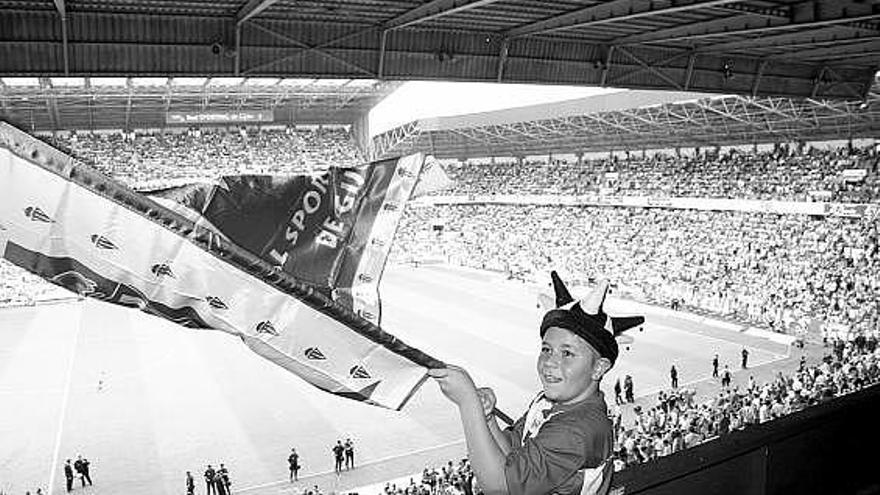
x: 587, y: 319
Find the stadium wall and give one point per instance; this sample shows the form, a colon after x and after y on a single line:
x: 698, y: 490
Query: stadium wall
x: 828, y: 448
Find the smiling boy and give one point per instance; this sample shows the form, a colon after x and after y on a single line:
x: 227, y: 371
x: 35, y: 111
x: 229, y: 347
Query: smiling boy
x: 563, y: 443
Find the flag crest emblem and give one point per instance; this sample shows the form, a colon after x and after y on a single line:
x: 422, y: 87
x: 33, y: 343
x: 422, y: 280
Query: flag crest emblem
x: 162, y: 269
x: 216, y: 302
x: 267, y: 327
x: 358, y: 372
x: 37, y: 215
x: 102, y: 242
x: 315, y: 354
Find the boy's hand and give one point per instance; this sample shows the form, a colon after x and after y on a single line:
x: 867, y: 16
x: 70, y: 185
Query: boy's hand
x: 456, y: 384
x: 488, y: 400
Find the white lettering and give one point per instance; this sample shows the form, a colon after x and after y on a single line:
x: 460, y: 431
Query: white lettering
x: 311, y: 202
x: 325, y: 238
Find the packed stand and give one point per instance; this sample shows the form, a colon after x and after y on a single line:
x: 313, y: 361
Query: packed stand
x: 775, y: 270
x: 451, y: 479
x: 813, y: 176
x: 676, y: 422
x: 148, y: 161
x: 19, y: 287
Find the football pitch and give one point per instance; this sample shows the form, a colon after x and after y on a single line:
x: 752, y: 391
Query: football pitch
x: 145, y: 400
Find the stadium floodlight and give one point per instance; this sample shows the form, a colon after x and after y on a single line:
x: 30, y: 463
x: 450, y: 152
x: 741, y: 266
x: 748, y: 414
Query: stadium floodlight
x: 107, y: 81
x: 261, y: 81
x: 21, y: 81
x: 224, y: 81
x: 68, y: 82
x: 149, y: 81
x: 188, y: 81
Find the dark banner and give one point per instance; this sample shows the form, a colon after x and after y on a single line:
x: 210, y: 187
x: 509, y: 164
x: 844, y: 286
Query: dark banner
x: 320, y: 228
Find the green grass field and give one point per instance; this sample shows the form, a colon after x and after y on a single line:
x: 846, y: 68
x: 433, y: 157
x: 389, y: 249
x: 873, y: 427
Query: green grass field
x: 176, y: 399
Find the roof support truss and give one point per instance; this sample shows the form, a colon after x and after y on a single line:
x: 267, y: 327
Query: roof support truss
x: 433, y: 9
x: 613, y: 11
x: 65, y: 53
x: 250, y: 9
x: 760, y: 31
x: 653, y: 68
x: 648, y: 67
x: 316, y: 49
x: 731, y: 23
x: 304, y: 48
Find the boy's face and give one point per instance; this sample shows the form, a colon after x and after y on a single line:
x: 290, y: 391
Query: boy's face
x: 568, y: 367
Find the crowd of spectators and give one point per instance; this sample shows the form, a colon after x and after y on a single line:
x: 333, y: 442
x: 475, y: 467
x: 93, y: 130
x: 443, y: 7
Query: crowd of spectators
x: 815, y: 175
x: 451, y: 479
x: 780, y: 271
x: 19, y: 287
x: 676, y: 422
x: 149, y: 161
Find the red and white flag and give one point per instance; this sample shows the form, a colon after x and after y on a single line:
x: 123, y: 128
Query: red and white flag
x: 73, y: 226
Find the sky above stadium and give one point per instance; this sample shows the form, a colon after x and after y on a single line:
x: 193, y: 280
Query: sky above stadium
x: 424, y: 99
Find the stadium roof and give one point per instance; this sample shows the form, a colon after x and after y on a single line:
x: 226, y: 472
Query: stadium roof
x: 806, y: 48
x: 634, y: 120
x: 142, y: 102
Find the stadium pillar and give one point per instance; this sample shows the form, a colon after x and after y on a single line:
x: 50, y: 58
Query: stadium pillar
x: 64, y: 48
x: 580, y: 157
x: 237, y: 48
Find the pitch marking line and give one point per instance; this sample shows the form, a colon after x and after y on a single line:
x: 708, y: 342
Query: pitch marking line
x: 377, y: 461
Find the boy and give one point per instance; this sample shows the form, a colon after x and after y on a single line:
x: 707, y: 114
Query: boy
x: 563, y: 443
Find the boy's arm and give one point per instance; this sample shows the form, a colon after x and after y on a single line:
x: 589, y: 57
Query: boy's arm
x: 500, y: 437
x: 486, y: 456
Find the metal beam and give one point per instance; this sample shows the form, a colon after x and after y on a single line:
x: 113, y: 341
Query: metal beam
x: 674, y: 33
x: 606, y: 66
x: 304, y: 49
x: 840, y: 48
x: 793, y: 42
x: 689, y: 74
x: 768, y: 29
x: 433, y: 10
x: 380, y: 72
x: 758, y: 75
x: 649, y: 68
x: 237, y: 68
x: 613, y: 11
x: 602, y: 121
x: 250, y: 9
x: 317, y: 50
x: 626, y: 75
x: 502, y: 59
x: 62, y: 11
